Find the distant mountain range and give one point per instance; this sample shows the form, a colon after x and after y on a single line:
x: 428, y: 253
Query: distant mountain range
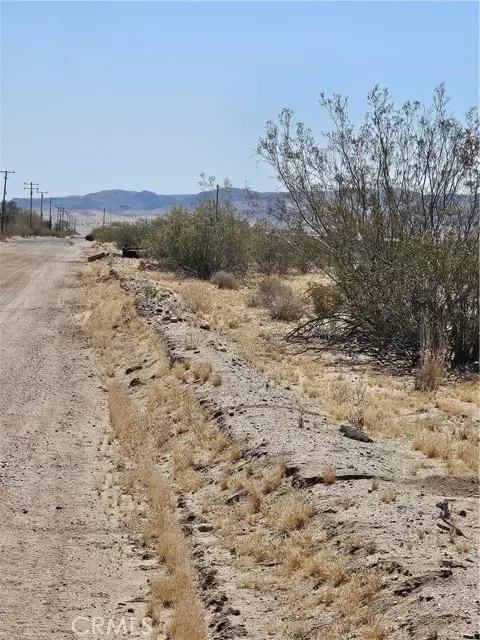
x: 136, y: 203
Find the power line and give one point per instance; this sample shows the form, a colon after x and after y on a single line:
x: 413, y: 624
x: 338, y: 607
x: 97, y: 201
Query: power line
x: 29, y: 186
x: 4, y: 195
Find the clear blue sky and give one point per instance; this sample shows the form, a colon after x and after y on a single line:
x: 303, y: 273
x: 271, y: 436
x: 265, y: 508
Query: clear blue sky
x: 147, y: 95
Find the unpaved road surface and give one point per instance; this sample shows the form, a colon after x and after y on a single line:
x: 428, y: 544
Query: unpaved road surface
x: 61, y: 558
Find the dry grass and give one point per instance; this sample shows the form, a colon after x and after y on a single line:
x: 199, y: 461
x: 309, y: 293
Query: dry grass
x: 291, y: 512
x: 329, y: 475
x: 202, y: 371
x: 432, y: 370
x: 380, y: 403
x: 198, y: 298
x: 389, y: 496
x: 225, y: 280
x: 272, y: 477
x: 325, y: 567
x: 216, y: 380
x: 116, y: 332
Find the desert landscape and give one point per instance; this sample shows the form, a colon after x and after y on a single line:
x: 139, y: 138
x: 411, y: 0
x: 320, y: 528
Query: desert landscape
x: 239, y: 321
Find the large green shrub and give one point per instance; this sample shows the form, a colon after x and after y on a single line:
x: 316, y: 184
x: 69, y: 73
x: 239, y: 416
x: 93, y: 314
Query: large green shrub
x: 202, y: 242
x: 393, y: 207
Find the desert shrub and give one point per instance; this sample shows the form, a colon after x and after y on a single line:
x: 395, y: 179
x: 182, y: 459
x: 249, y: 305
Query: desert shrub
x: 393, y: 205
x: 17, y: 223
x: 280, y: 299
x: 123, y: 234
x: 278, y: 250
x: 225, y: 280
x: 286, y: 306
x: 202, y: 242
x: 326, y: 298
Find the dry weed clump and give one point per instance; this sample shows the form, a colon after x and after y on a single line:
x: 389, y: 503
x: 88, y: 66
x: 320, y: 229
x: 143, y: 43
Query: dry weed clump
x: 389, y: 496
x: 325, y: 567
x: 433, y: 445
x: 202, y: 371
x: 329, y: 475
x: 291, y: 512
x: 356, y: 411
x: 198, y: 299
x: 216, y: 380
x: 272, y: 477
x: 432, y: 369
x: 279, y: 298
x: 225, y: 280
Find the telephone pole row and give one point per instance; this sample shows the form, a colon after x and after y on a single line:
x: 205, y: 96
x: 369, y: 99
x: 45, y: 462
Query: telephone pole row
x: 5, y: 172
x: 29, y: 187
x: 41, y: 202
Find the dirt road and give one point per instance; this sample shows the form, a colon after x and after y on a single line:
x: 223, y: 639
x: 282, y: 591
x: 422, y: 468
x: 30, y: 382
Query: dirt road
x: 66, y: 571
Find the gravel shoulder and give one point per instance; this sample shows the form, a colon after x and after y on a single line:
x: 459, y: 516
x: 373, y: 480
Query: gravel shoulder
x: 61, y: 556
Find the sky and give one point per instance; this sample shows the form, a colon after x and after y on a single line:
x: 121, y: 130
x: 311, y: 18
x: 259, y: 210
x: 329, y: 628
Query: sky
x: 147, y: 95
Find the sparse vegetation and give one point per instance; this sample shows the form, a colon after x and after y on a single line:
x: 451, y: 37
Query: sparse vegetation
x: 280, y: 299
x: 225, y: 280
x: 17, y: 223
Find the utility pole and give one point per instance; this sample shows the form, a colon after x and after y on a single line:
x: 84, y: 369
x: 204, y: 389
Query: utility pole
x: 216, y: 204
x: 4, y: 195
x: 103, y: 217
x: 41, y: 203
x: 50, y: 212
x: 29, y: 187
x: 58, y: 217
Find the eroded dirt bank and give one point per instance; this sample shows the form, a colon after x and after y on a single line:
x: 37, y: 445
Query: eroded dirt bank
x: 61, y: 557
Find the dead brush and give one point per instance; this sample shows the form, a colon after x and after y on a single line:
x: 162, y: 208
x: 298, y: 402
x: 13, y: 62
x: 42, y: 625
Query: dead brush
x: 258, y: 547
x: 202, y: 371
x: 389, y: 496
x: 291, y: 512
x: 180, y: 372
x: 197, y: 297
x: 114, y: 328
x: 329, y: 475
x: 325, y: 567
x: 273, y: 478
x: 433, y: 445
x: 216, y: 380
x: 356, y: 411
x: 255, y: 499
x: 432, y: 369
x: 225, y: 280
x: 235, y: 454
x: 279, y: 298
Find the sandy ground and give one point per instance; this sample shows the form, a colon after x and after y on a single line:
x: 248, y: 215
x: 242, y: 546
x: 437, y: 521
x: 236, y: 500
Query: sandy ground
x: 60, y: 555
